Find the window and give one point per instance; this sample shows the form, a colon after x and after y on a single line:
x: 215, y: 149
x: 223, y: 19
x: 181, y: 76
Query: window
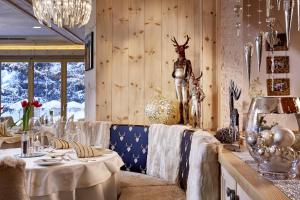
x: 75, y: 90
x: 47, y: 87
x: 14, y: 87
x: 54, y: 83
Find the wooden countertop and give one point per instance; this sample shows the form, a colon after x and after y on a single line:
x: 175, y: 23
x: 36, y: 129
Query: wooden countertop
x: 257, y: 187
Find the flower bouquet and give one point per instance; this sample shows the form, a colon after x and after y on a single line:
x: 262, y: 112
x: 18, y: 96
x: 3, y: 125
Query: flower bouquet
x: 27, y: 108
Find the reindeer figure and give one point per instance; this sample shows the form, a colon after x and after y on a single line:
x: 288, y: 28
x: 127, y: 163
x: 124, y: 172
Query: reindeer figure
x: 234, y: 95
x: 197, y: 95
x: 181, y: 74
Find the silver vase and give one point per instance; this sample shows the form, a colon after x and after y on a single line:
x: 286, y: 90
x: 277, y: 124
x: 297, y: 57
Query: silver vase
x: 248, y: 50
x: 259, y: 46
x: 273, y: 156
x: 288, y: 15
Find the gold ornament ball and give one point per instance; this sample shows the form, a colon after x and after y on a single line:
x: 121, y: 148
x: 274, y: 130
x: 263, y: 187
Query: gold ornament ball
x: 161, y: 110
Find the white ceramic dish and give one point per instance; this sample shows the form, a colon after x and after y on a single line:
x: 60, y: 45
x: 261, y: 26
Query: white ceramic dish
x: 48, y: 162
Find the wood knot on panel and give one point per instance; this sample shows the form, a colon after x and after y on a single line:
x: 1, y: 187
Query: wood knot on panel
x: 123, y: 20
x: 206, y: 38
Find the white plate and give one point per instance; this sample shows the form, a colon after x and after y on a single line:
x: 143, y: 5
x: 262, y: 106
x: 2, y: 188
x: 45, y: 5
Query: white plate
x: 48, y: 162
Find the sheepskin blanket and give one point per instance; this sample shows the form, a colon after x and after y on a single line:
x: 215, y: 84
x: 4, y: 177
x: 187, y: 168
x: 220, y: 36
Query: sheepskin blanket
x: 203, y: 179
x: 164, y: 151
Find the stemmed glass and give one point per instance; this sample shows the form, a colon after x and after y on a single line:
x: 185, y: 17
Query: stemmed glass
x: 37, y: 136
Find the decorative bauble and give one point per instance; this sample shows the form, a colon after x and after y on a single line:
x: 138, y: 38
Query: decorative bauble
x: 283, y: 137
x: 251, y: 140
x: 162, y: 110
x: 225, y: 135
x: 268, y: 137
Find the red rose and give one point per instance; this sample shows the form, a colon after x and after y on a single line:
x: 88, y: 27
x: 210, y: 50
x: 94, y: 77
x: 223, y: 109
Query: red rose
x: 24, y: 103
x: 36, y: 104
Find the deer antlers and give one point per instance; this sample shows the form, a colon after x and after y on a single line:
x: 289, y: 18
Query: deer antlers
x: 196, y: 80
x: 234, y: 90
x: 175, y: 43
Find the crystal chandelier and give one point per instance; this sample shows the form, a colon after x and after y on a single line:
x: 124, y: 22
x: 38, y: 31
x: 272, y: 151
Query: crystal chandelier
x: 70, y: 13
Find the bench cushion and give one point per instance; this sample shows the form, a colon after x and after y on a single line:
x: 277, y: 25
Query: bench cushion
x: 132, y: 179
x: 161, y: 192
x: 131, y: 143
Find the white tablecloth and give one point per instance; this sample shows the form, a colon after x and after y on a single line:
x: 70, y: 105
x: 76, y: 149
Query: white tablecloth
x: 93, y: 178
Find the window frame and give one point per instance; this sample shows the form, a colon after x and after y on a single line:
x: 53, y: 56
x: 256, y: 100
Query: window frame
x: 63, y: 60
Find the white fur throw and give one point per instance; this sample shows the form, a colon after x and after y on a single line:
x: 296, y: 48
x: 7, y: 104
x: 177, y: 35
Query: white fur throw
x: 164, y: 151
x: 204, y: 176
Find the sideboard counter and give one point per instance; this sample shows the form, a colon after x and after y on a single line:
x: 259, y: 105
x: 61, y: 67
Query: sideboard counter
x: 245, y: 182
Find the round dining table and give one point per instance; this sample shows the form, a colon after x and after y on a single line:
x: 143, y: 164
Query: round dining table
x: 73, y: 178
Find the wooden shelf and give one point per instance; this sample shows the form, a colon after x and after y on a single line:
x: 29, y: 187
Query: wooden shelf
x: 257, y: 187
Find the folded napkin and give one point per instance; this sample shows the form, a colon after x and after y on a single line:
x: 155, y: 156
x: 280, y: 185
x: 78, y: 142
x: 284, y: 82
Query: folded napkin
x: 61, y: 144
x: 3, y: 130
x: 84, y: 151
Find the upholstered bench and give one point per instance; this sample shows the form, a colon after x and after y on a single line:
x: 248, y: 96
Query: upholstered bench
x: 131, y: 142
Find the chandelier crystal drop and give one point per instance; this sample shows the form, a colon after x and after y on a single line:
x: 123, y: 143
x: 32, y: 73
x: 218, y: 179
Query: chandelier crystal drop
x: 70, y: 13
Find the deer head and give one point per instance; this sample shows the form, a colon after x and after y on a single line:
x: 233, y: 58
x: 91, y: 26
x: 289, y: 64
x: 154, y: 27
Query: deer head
x: 180, y: 49
x: 195, y: 80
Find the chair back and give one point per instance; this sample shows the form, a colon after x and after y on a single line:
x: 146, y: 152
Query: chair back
x: 12, y: 179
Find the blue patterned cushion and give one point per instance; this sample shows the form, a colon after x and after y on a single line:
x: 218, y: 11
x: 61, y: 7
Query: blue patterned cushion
x: 185, y: 148
x: 131, y: 143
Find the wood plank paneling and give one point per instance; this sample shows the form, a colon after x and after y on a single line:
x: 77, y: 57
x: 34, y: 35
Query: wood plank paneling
x: 104, y: 60
x: 169, y: 56
x: 198, y: 62
x: 153, y: 58
x: 136, y: 62
x: 186, y: 26
x: 135, y: 55
x: 120, y: 106
x: 209, y: 65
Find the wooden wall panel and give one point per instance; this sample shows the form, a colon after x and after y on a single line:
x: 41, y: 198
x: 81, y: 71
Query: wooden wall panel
x: 136, y: 62
x: 153, y: 62
x: 120, y: 106
x: 104, y: 60
x: 209, y: 65
x: 135, y: 55
x: 169, y: 30
x: 186, y: 26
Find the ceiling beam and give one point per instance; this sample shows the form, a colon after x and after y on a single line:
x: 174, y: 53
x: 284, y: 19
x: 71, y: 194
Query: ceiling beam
x: 25, y: 7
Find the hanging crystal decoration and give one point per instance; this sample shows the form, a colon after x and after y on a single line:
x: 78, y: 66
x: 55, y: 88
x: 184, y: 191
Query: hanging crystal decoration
x: 248, y: 50
x: 71, y: 13
x: 272, y: 70
x: 238, y: 28
x: 259, y: 46
x: 288, y: 15
x: 238, y: 9
x: 298, y: 6
x: 268, y: 8
x: 271, y: 34
x: 278, y: 4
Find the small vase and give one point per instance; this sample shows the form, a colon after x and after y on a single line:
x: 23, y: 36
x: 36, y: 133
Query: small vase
x: 25, y: 144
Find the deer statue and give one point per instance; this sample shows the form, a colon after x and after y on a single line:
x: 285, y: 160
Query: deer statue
x: 197, y: 95
x: 234, y: 95
x: 181, y: 74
